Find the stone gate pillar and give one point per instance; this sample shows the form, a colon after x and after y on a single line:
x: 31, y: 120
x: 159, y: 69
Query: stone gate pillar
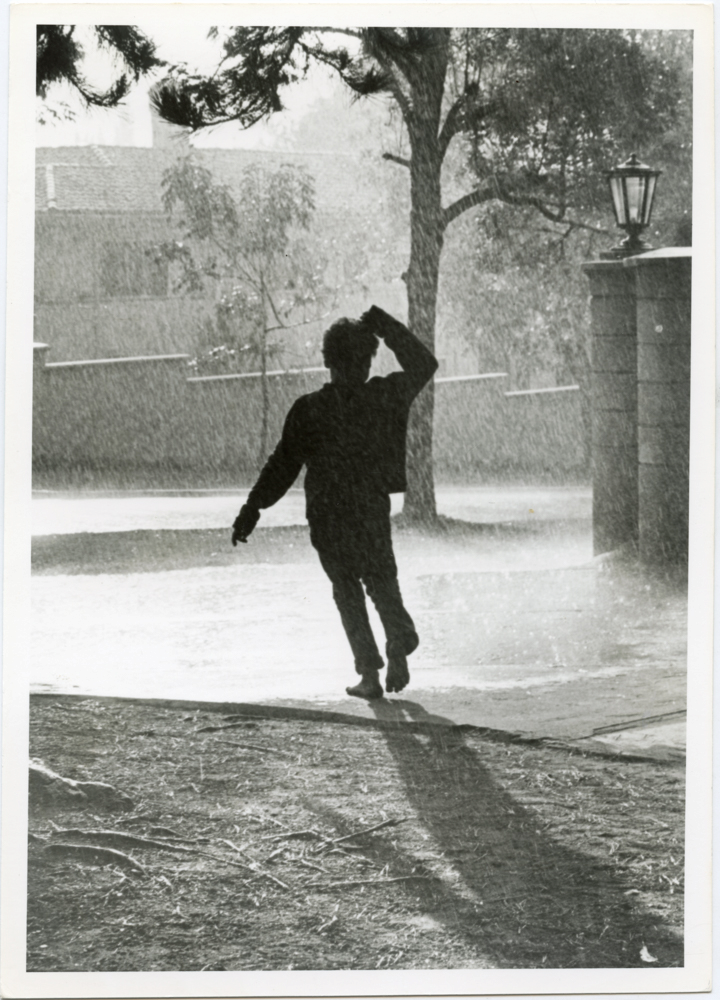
x: 662, y: 287
x: 614, y: 404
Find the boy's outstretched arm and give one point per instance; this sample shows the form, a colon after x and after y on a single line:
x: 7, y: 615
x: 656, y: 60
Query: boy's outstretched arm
x: 278, y: 474
x: 418, y: 363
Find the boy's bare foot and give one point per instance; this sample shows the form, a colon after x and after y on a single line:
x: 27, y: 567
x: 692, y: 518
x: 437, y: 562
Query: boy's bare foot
x: 369, y: 688
x: 398, y: 675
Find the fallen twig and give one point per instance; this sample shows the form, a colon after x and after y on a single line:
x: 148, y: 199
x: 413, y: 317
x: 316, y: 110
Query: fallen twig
x: 164, y: 831
x: 253, y: 746
x: 215, y: 729
x: 261, y: 819
x: 297, y: 835
x: 115, y: 838
x: 370, y: 829
x: 131, y: 841
x: 93, y: 855
x: 255, y: 865
x: 345, y: 852
x: 370, y: 881
x: 227, y: 861
x: 309, y: 864
x: 264, y: 874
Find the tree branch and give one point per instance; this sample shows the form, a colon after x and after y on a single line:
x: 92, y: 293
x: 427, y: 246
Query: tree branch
x: 493, y: 189
x: 465, y: 112
x: 573, y: 224
x: 274, y: 310
x: 449, y: 127
x: 403, y: 161
x: 385, y: 44
x: 235, y: 266
x: 400, y: 96
x: 532, y: 202
x: 329, y: 30
x: 391, y: 52
x: 294, y: 326
x: 488, y: 192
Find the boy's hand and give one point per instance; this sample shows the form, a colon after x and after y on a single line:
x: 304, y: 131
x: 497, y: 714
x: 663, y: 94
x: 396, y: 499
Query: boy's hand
x: 375, y: 318
x: 244, y: 523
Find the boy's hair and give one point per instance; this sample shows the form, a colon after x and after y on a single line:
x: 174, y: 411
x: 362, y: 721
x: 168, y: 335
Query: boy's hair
x: 348, y: 344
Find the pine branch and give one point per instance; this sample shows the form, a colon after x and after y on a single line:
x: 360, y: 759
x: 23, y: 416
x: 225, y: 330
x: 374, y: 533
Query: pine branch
x: 390, y: 51
x: 386, y: 45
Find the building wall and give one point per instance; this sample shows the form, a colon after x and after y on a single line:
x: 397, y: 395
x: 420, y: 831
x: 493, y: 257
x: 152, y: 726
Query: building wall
x: 127, y: 328
x: 78, y: 253
x: 145, y: 417
x: 77, y: 309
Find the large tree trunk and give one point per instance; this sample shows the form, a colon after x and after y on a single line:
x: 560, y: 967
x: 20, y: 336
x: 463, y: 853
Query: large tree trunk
x: 422, y: 286
x: 426, y: 240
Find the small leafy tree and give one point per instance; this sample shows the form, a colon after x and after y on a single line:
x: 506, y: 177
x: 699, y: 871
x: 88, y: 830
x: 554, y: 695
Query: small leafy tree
x: 244, y: 241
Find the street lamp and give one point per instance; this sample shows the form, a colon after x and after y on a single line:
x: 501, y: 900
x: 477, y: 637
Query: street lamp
x: 632, y: 188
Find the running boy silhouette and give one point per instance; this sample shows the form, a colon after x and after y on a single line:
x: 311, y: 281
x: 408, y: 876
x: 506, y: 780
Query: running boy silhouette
x: 351, y: 437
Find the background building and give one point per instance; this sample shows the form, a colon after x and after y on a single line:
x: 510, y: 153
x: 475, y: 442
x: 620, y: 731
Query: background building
x: 100, y: 292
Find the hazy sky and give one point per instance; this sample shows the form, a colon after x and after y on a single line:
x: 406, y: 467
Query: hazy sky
x: 130, y: 124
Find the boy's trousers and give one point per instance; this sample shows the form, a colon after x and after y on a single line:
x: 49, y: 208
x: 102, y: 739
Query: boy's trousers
x: 354, y: 543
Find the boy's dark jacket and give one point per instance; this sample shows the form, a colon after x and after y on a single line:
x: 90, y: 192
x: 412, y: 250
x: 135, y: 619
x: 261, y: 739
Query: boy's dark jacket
x: 350, y: 437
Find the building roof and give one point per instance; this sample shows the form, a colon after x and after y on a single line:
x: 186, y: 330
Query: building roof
x: 129, y: 178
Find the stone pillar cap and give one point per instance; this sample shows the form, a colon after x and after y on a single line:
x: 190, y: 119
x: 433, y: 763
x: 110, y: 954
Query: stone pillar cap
x: 664, y: 253
x: 600, y: 266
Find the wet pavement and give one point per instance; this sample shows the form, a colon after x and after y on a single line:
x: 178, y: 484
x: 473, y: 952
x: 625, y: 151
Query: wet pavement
x: 70, y: 513
x: 522, y: 630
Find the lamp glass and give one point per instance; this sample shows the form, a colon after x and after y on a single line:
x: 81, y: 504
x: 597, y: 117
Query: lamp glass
x: 635, y: 189
x: 618, y: 200
x: 649, y: 198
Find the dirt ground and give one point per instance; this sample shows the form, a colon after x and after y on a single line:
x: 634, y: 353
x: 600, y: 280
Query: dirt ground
x: 480, y: 852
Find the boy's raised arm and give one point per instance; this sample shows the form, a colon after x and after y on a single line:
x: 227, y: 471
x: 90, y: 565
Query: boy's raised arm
x: 417, y: 362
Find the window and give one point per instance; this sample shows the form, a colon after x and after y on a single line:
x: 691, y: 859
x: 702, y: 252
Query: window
x: 129, y: 270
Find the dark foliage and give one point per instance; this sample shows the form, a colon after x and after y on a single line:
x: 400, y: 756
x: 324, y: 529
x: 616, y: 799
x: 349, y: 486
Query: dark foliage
x: 59, y: 58
x: 546, y: 111
x: 258, y: 63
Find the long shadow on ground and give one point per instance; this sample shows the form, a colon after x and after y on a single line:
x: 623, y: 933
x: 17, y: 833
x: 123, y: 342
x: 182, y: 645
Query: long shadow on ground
x: 518, y: 897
